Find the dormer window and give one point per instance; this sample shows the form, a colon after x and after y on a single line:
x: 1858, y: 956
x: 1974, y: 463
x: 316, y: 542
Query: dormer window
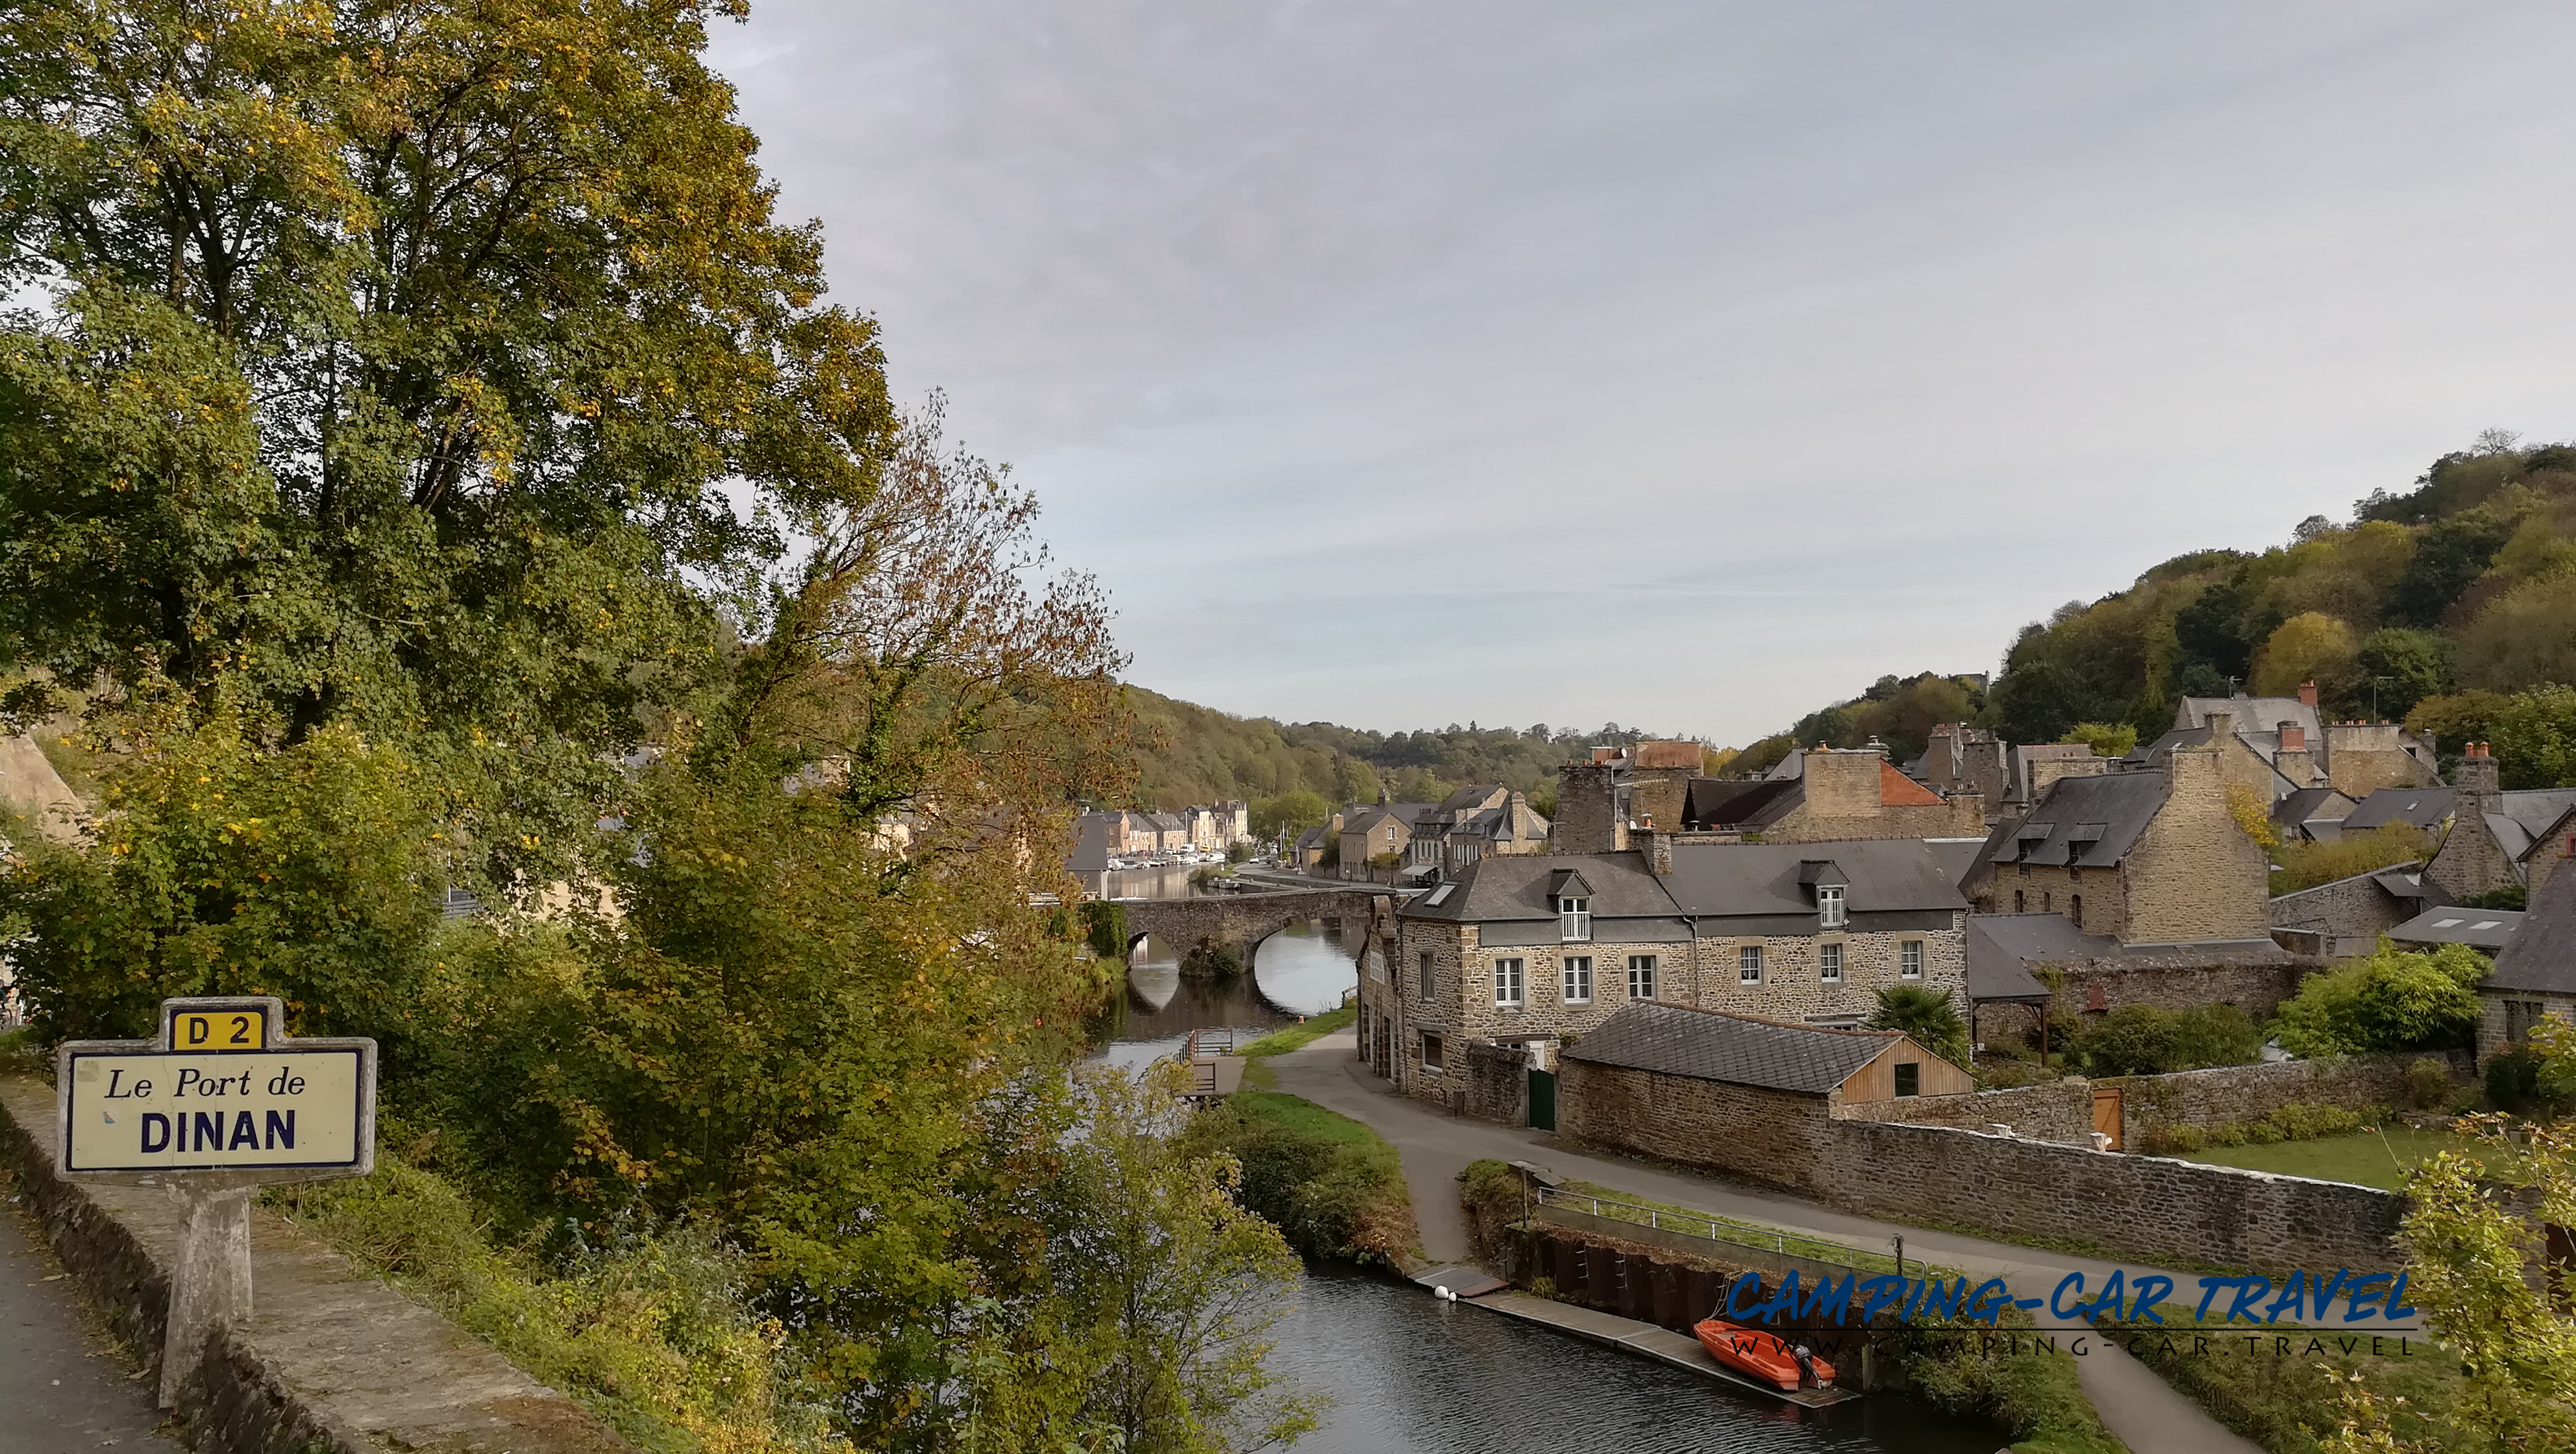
x: 1829, y: 905
x: 1574, y: 920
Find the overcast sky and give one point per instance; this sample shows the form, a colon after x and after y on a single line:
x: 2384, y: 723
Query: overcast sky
x: 1687, y: 365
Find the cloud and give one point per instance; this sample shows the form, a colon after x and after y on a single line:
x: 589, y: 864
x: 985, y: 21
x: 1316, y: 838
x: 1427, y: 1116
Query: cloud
x: 1399, y: 363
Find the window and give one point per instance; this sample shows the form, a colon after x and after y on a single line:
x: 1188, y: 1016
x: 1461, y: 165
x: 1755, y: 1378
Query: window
x: 2047, y: 902
x: 1641, y: 976
x: 1829, y: 905
x: 1430, y: 981
x: 2023, y: 869
x: 1431, y: 1049
x: 1577, y: 979
x: 1509, y: 989
x: 2075, y: 909
x: 1909, y: 959
x: 1748, y: 964
x: 1829, y: 963
x: 1574, y: 920
x: 2017, y: 908
x: 1909, y: 1078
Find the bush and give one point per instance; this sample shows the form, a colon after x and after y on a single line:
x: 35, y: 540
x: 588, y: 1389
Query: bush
x: 2393, y: 1001
x: 2031, y: 1390
x: 2304, y: 865
x: 1105, y: 928
x: 2515, y: 1083
x: 2428, y: 1084
x: 2144, y: 1040
x: 1333, y: 1187
x: 2292, y: 1121
x: 1926, y: 1014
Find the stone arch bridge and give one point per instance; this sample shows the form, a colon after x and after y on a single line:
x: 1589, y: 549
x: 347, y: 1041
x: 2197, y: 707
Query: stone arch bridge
x: 1237, y: 923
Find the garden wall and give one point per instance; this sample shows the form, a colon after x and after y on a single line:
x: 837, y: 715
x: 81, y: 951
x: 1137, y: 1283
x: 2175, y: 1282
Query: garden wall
x: 2062, y: 1111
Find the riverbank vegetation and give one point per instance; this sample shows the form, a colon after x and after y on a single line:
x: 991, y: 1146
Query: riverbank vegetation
x: 2027, y: 1384
x: 1333, y: 1187
x: 433, y: 479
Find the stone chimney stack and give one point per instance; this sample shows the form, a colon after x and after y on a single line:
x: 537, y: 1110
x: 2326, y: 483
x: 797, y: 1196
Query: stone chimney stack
x: 2477, y: 775
x: 2307, y: 694
x: 1656, y: 845
x: 2222, y: 725
x: 2294, y: 760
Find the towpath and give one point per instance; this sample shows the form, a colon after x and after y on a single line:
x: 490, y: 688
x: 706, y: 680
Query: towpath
x: 60, y: 1385
x: 2141, y: 1408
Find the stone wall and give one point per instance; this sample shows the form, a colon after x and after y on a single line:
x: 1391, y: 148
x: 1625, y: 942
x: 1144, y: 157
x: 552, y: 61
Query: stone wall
x: 2352, y: 912
x: 1793, y: 985
x: 329, y: 1361
x: 2095, y: 900
x: 1586, y: 819
x: 2062, y: 1111
x: 2138, y: 1206
x: 1497, y: 1083
x: 1237, y: 922
x: 2145, y: 1207
x: 2179, y: 983
x: 2491, y: 1022
x: 2193, y: 874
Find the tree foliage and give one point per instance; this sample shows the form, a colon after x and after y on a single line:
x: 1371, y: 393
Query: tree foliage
x: 2146, y: 1040
x: 1925, y: 1014
x: 2395, y: 1000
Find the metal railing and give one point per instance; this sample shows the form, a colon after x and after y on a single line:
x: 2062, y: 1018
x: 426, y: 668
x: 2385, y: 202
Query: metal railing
x: 1719, y: 1230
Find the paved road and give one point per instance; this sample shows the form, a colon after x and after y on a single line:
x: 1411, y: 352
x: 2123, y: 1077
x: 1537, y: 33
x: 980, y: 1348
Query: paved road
x: 2141, y: 1408
x: 61, y: 1388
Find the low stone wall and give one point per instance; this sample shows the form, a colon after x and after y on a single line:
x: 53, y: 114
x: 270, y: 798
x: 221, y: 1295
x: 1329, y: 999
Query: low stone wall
x: 329, y: 1360
x: 2147, y: 1207
x: 2057, y: 1111
x: 2062, y: 1110
x: 2257, y: 989
x: 1498, y: 1083
x: 2349, y: 914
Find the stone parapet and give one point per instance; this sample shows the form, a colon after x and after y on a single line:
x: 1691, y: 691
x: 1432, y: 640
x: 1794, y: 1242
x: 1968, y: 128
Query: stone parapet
x: 329, y: 1359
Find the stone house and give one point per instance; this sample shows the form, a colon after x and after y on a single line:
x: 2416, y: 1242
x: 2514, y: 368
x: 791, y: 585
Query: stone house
x: 2150, y: 855
x: 1958, y: 758
x: 1530, y: 949
x: 2314, y: 814
x: 2354, y: 758
x: 1372, y: 832
x: 1471, y: 824
x: 2486, y: 930
x: 2091, y: 974
x: 1835, y: 795
x: 2535, y: 975
x: 1598, y: 798
x: 2348, y: 916
x: 1748, y: 1095
x: 2497, y: 838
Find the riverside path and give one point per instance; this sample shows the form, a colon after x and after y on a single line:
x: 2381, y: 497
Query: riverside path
x: 60, y: 1384
x: 2140, y: 1408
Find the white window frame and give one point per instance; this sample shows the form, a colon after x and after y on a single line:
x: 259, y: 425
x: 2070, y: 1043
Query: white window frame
x: 1748, y: 964
x: 1829, y: 906
x: 1909, y: 959
x: 1829, y: 963
x: 1641, y: 977
x: 1574, y: 921
x: 1511, y: 983
x: 1574, y: 978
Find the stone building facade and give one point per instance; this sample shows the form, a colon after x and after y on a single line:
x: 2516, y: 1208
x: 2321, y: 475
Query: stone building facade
x: 1803, y: 933
x: 2535, y: 973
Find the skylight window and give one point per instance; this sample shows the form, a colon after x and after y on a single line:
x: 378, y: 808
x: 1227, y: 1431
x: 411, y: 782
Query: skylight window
x: 2446, y: 923
x: 1439, y: 894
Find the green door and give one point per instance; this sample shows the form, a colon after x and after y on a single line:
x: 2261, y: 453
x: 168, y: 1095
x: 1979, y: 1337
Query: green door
x: 1542, y: 1100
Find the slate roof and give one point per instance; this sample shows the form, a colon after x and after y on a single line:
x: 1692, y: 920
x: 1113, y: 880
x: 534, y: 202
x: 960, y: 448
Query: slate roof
x: 2091, y: 822
x: 2263, y: 744
x: 2295, y: 809
x: 2524, y: 814
x: 1724, y: 880
x: 2423, y: 807
x: 1091, y: 844
x: 2541, y: 957
x: 2002, y: 947
x: 1711, y: 1045
x: 2254, y: 715
x: 1957, y: 857
x: 1411, y: 815
x: 1716, y: 802
x: 2487, y: 929
x: 1516, y: 886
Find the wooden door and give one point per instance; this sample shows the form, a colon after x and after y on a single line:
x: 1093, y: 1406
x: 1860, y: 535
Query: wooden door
x: 2106, y: 1113
x: 1542, y: 1099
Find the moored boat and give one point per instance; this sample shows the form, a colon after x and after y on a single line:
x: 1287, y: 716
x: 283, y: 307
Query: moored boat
x: 1763, y: 1355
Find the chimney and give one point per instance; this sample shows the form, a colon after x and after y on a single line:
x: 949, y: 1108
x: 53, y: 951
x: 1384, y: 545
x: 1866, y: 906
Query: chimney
x: 2294, y: 761
x: 2222, y: 725
x: 2477, y: 775
x: 2307, y: 694
x: 2294, y: 738
x: 1657, y: 847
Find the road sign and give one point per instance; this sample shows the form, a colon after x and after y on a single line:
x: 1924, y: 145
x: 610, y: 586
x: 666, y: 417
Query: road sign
x: 220, y: 1103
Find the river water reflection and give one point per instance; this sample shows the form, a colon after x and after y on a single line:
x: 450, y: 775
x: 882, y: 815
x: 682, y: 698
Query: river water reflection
x: 1301, y: 970
x: 1413, y: 1375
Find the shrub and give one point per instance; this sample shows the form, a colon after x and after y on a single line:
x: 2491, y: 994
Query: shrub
x: 2513, y: 1078
x: 2395, y: 1000
x: 1926, y: 1014
x: 1332, y: 1186
x: 2427, y: 1084
x: 2304, y: 865
x: 1105, y: 928
x: 2144, y: 1040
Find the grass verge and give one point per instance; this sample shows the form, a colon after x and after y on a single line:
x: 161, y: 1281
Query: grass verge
x: 2279, y: 1390
x: 1624, y: 1206
x: 1256, y: 1069
x: 2371, y: 1158
x: 651, y: 1334
x: 2027, y: 1384
x: 1334, y: 1187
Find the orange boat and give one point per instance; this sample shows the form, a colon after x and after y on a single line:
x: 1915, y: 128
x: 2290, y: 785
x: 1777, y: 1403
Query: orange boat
x: 1760, y: 1354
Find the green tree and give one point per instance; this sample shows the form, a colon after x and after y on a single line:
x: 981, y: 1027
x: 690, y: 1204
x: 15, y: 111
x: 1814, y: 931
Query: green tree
x: 2395, y: 1000
x: 2405, y: 667
x: 2450, y: 554
x: 2312, y: 647
x: 2145, y: 1040
x: 2523, y: 638
x: 2534, y: 738
x: 1926, y: 1014
x: 393, y: 362
x: 1292, y: 812
x: 2106, y: 740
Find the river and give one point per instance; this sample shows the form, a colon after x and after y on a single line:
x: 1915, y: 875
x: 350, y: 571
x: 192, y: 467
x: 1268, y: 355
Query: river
x: 1410, y: 1374
x: 1413, y: 1375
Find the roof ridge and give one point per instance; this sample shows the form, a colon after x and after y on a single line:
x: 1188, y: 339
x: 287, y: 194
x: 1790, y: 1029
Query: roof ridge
x: 1775, y: 1024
